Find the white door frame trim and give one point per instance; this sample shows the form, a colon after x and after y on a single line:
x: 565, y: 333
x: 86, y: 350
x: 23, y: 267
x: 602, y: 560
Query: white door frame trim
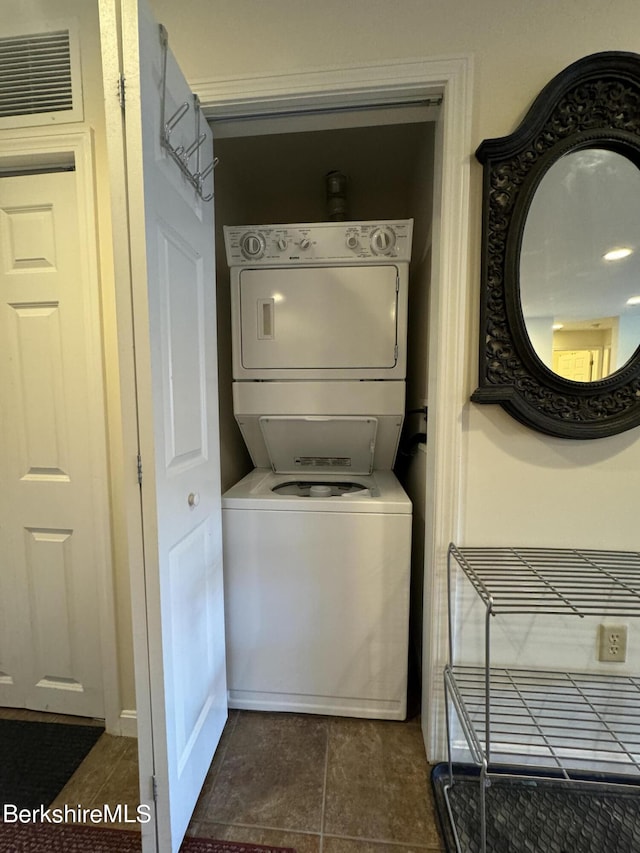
x: 38, y: 150
x: 352, y: 86
x: 328, y: 88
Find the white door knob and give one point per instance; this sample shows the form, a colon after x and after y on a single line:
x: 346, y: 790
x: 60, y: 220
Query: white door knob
x: 194, y: 499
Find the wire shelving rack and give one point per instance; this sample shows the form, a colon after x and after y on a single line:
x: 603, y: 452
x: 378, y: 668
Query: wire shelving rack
x: 556, y: 724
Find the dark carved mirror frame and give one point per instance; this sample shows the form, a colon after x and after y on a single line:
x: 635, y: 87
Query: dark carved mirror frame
x: 594, y: 103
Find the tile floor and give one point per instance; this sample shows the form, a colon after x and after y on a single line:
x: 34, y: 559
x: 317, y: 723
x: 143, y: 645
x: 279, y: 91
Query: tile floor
x: 318, y: 784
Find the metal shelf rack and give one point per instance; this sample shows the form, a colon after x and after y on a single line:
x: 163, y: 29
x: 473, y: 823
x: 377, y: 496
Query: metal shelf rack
x: 553, y: 723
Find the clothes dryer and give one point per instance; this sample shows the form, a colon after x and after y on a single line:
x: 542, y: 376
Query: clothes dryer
x: 317, y: 538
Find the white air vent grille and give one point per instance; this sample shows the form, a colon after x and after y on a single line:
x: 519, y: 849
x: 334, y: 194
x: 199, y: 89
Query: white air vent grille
x: 35, y: 74
x: 39, y: 78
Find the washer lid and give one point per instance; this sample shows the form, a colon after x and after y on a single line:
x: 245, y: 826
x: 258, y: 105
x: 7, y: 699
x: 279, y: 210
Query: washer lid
x: 320, y: 444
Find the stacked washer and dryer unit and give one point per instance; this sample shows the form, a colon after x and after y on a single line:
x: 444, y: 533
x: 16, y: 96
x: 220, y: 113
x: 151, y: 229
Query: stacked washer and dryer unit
x: 317, y: 537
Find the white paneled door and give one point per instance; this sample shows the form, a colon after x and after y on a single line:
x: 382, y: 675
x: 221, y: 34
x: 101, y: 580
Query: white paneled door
x: 50, y: 656
x: 170, y: 244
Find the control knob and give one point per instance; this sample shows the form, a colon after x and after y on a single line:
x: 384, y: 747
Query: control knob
x: 252, y: 246
x: 282, y: 244
x: 305, y: 243
x: 383, y: 240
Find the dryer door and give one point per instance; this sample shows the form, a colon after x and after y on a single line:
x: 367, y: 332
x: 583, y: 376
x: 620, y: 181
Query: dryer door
x: 326, y: 321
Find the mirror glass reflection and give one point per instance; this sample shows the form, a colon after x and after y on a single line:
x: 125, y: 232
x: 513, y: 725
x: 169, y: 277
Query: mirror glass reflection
x: 580, y: 265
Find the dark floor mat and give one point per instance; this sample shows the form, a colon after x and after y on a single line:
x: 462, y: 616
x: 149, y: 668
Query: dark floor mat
x: 44, y: 838
x: 38, y: 759
x: 529, y: 815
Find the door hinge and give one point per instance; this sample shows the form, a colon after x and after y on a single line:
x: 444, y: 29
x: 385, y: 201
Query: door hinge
x: 154, y: 788
x: 121, y: 91
x: 139, y: 469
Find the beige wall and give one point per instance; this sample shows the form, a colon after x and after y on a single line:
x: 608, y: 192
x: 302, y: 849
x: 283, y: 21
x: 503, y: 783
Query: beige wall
x: 521, y: 487
x: 518, y: 44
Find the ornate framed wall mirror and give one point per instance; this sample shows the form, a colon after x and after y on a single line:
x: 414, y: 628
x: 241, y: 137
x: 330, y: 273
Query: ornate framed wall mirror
x: 560, y: 309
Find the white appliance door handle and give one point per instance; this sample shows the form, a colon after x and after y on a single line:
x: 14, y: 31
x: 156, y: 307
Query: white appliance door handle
x: 266, y: 319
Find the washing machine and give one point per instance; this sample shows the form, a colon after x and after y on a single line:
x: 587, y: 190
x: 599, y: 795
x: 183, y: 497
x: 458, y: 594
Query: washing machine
x: 317, y: 593
x: 317, y: 537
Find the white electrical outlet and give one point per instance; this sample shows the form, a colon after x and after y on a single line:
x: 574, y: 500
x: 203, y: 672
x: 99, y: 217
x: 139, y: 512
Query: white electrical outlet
x: 612, y: 643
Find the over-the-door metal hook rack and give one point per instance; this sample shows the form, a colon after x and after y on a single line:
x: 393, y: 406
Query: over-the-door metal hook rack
x: 181, y: 154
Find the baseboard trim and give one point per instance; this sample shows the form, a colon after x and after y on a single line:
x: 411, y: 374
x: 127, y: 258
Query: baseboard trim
x: 129, y: 723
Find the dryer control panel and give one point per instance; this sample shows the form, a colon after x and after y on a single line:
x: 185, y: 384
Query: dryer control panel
x: 316, y: 243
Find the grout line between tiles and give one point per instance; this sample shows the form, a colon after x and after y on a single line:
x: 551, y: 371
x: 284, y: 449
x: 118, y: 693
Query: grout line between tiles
x: 386, y: 841
x: 362, y: 839
x: 324, y: 787
x: 287, y: 829
x: 310, y: 833
x: 94, y: 800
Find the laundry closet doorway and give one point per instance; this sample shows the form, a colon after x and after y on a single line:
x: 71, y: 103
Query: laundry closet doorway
x: 442, y: 251
x: 275, y: 173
